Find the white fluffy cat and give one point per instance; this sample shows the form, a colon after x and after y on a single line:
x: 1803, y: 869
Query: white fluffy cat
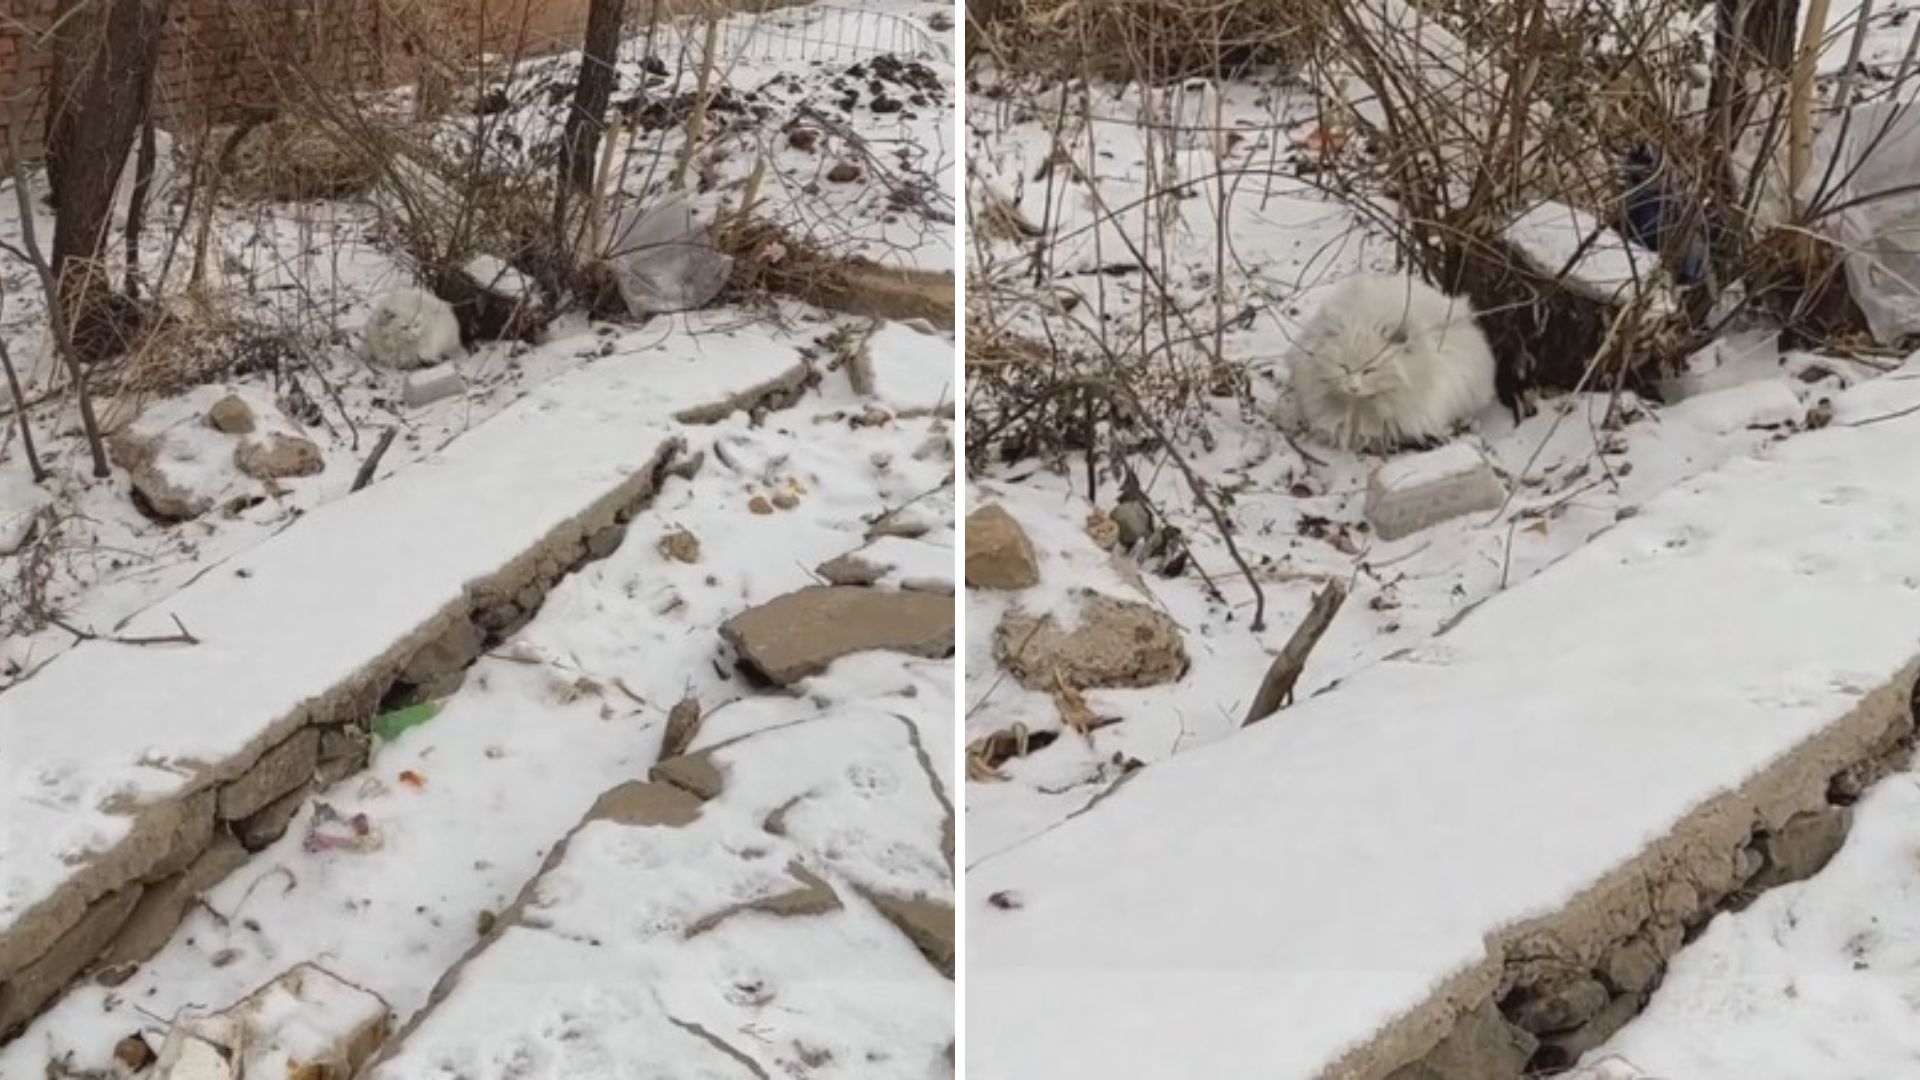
x: 410, y: 328
x: 1388, y: 361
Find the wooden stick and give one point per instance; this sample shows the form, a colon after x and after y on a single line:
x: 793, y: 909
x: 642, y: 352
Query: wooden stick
x: 1800, y: 101
x: 183, y: 637
x: 696, y: 127
x: 365, y: 475
x: 1276, y: 688
x: 20, y: 415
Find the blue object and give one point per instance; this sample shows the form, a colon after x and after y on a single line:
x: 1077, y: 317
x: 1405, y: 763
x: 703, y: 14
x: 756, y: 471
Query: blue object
x: 1657, y: 218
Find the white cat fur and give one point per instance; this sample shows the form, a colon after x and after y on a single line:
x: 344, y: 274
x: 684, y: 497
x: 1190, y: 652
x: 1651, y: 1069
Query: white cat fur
x: 1389, y: 360
x: 410, y: 328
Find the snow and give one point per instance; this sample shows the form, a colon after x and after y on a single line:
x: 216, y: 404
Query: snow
x: 839, y: 990
x: 1434, y: 466
x: 1760, y: 403
x: 301, y: 278
x: 277, y: 636
x: 294, y: 589
x: 1394, y: 798
x: 912, y: 370
x: 1560, y: 238
x: 574, y: 704
x: 21, y: 504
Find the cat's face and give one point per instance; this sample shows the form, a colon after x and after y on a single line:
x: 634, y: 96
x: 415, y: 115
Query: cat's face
x: 1373, y: 360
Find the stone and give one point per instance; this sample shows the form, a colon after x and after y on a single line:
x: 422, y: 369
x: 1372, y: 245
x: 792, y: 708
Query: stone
x: 1803, y: 846
x: 1108, y: 642
x: 1677, y: 902
x: 926, y: 922
x: 605, y: 542
x: 163, y: 838
x: 410, y: 328
x: 191, y: 833
x: 999, y: 555
x: 1560, y: 1005
x: 1481, y: 1046
x: 1632, y: 967
x: 231, y: 415
x: 133, y: 1054
x: 178, y: 474
x: 845, y: 172
x: 279, y: 771
x: 22, y: 505
x: 680, y: 546
x: 1667, y: 937
x: 28, y: 990
x: 695, y: 774
x: 428, y: 385
x: 635, y: 803
x: 259, y: 830
x: 440, y: 666
x: 277, y: 456
x: 1558, y: 1051
x: 850, y: 569
x: 802, y: 633
x: 805, y: 139
x: 164, y: 904
x: 1418, y: 491
x: 343, y: 751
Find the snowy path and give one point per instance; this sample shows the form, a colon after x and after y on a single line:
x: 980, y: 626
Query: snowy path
x: 1283, y: 899
x: 464, y: 808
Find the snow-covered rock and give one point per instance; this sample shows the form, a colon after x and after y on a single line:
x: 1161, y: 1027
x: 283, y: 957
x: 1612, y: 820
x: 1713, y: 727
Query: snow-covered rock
x: 183, y: 461
x: 410, y: 328
x: 1105, y: 642
x: 181, y: 469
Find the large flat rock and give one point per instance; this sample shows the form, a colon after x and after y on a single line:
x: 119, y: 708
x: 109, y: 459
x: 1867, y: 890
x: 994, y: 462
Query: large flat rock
x: 1325, y: 894
x: 99, y: 750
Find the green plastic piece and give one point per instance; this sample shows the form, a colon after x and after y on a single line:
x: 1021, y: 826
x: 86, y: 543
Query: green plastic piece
x: 391, y: 726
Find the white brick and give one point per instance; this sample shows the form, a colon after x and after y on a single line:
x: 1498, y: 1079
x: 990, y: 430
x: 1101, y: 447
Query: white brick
x: 1418, y: 491
x: 428, y: 385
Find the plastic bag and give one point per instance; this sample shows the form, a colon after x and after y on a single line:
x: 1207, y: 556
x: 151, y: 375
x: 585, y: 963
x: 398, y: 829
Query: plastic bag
x: 1877, y: 225
x: 663, y: 259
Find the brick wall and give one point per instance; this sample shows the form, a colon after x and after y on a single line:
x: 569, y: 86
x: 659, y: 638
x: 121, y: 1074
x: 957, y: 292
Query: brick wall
x: 220, y: 56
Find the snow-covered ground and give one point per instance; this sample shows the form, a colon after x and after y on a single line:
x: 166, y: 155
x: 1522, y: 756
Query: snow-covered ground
x: 303, y: 277
x: 1153, y: 235
x: 391, y: 876
x: 463, y: 808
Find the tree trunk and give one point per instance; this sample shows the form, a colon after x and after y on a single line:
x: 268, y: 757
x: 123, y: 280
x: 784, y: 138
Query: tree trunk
x: 580, y: 143
x: 104, y: 61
